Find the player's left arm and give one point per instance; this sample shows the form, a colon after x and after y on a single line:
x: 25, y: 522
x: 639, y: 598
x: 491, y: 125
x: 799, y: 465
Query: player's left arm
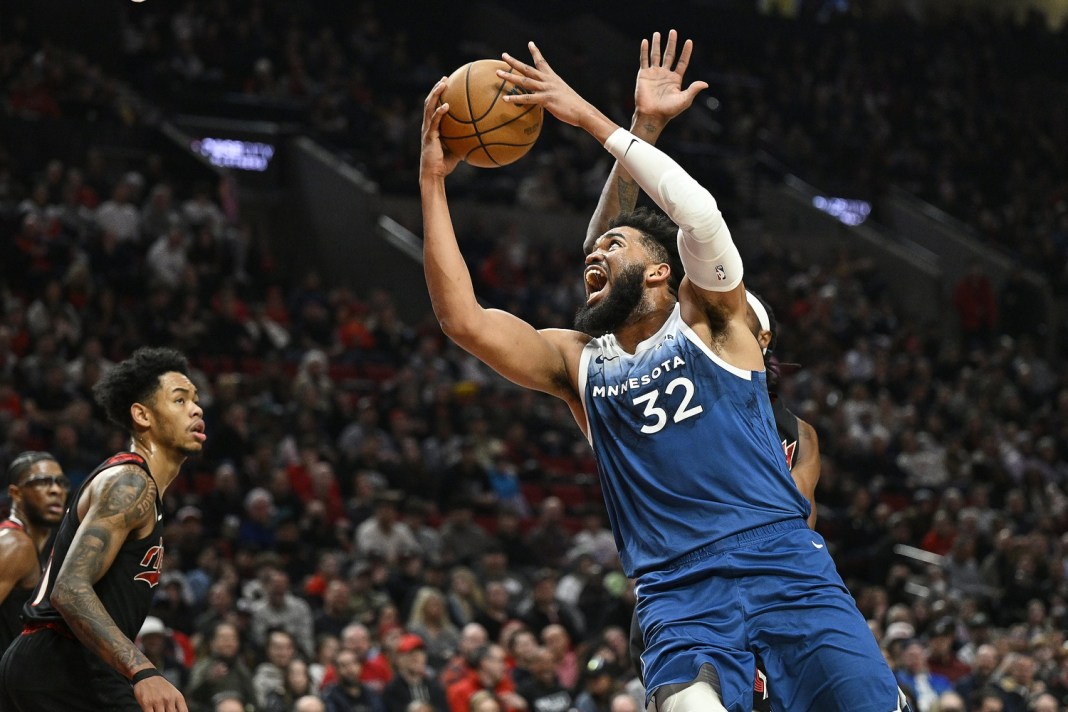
x: 712, y: 288
x: 806, y: 471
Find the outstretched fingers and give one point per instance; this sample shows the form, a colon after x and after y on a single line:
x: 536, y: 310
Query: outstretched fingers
x: 539, y: 60
x: 654, y: 52
x: 669, y: 51
x: 684, y: 57
x: 532, y: 79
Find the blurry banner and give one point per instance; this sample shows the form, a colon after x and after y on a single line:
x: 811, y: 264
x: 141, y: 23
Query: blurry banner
x: 251, y: 150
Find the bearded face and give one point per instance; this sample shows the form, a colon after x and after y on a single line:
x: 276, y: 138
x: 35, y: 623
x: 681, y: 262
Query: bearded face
x: 613, y: 310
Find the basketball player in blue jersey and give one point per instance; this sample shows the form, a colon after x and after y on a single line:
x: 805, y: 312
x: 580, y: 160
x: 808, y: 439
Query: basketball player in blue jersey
x: 38, y: 491
x: 76, y: 651
x: 800, y: 447
x: 658, y: 98
x: 670, y: 391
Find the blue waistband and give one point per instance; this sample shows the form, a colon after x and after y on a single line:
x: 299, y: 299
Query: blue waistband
x: 735, y: 540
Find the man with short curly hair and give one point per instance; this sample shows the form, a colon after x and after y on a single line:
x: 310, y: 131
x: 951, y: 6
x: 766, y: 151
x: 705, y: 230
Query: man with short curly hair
x: 76, y: 651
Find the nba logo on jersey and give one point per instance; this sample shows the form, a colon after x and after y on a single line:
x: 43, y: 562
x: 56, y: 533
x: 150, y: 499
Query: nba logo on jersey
x: 721, y: 274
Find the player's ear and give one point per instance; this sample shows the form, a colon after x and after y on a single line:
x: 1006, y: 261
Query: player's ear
x: 657, y: 274
x: 14, y: 493
x: 140, y: 415
x: 764, y: 338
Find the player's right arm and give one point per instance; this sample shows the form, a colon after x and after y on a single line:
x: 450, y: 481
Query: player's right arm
x: 119, y: 503
x: 18, y: 560
x: 658, y: 98
x: 806, y: 471
x: 512, y: 347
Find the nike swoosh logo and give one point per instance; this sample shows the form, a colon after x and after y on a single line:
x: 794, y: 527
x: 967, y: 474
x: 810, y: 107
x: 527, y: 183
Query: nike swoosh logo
x: 629, y: 145
x: 818, y: 546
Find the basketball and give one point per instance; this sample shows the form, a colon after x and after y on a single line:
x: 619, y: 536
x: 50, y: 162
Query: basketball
x: 480, y: 127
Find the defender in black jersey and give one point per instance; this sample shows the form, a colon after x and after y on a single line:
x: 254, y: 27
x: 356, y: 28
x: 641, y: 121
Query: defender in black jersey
x: 38, y: 491
x: 76, y: 651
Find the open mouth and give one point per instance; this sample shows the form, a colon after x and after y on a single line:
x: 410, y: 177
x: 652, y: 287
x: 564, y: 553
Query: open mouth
x: 596, y: 280
x: 198, y: 431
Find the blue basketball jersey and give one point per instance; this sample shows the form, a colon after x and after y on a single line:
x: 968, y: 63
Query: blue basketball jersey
x: 686, y: 446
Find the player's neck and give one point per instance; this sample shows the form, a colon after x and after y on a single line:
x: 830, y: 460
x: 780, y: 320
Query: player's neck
x: 163, y: 462
x: 38, y: 533
x: 643, y: 324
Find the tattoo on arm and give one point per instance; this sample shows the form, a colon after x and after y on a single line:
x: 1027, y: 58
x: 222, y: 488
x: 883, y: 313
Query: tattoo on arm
x: 626, y: 193
x: 651, y: 127
x: 119, y: 507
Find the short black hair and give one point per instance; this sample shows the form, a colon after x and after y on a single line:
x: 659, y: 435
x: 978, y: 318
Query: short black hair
x: 660, y: 237
x: 23, y: 462
x: 135, y: 380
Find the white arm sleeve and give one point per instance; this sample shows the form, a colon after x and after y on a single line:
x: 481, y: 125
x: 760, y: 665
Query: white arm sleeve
x: 708, y: 253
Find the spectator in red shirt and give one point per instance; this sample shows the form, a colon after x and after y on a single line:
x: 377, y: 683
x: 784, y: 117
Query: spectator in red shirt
x: 940, y: 537
x: 942, y: 658
x: 472, y: 637
x: 375, y: 670
x: 491, y: 674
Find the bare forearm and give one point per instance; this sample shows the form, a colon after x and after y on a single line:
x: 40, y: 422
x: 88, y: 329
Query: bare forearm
x: 620, y: 192
x: 448, y: 279
x: 90, y: 622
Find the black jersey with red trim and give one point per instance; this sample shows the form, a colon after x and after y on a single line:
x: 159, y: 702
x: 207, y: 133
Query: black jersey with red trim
x: 11, y: 606
x: 786, y: 424
x: 127, y: 587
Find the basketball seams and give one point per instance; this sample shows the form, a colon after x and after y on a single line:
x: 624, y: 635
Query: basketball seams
x: 476, y: 130
x: 476, y: 90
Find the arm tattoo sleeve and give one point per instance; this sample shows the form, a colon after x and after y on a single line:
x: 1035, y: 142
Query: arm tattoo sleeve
x: 121, y: 506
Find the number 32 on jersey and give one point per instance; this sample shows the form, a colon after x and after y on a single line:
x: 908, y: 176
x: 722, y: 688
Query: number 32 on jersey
x: 658, y: 415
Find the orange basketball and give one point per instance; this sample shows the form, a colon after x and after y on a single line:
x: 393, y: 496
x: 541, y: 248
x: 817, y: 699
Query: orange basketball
x: 482, y: 128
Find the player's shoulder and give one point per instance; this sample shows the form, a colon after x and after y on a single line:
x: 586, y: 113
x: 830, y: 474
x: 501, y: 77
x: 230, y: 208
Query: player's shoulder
x: 121, y: 487
x: 569, y: 344
x: 15, y: 547
x: 122, y: 474
x: 566, y: 338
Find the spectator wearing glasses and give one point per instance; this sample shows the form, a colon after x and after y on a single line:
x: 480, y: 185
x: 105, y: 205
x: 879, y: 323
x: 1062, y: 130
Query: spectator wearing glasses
x: 37, y: 489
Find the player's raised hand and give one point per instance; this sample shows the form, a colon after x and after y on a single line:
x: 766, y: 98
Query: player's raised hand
x: 434, y: 161
x: 658, y: 92
x: 541, y: 85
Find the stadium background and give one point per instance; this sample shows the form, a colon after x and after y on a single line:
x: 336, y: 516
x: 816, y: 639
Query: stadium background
x: 238, y: 180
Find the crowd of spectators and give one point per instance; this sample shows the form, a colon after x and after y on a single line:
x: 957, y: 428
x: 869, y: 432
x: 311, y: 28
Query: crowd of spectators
x: 848, y: 102
x: 378, y: 517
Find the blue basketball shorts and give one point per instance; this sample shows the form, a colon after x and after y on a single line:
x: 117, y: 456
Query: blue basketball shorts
x: 773, y: 591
